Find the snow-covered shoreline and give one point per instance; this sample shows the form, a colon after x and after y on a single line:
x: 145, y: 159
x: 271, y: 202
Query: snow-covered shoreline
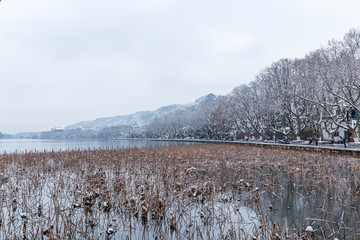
x: 351, y: 148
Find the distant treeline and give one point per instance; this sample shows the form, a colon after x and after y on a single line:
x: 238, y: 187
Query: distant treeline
x: 109, y: 132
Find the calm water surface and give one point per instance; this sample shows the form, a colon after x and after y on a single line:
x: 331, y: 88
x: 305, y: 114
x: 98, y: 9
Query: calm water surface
x: 22, y: 145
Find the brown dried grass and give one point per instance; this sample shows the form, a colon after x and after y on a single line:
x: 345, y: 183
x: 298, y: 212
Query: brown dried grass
x: 180, y: 192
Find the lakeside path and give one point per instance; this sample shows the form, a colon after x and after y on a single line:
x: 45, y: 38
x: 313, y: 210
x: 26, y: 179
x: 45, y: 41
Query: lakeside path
x: 352, y: 149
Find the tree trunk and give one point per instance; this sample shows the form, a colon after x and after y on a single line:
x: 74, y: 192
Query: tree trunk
x: 298, y: 131
x: 354, y: 135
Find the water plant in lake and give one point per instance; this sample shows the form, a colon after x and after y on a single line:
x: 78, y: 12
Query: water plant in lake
x: 178, y: 192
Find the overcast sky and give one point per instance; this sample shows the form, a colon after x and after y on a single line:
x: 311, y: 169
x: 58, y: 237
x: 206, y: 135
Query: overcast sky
x: 63, y: 61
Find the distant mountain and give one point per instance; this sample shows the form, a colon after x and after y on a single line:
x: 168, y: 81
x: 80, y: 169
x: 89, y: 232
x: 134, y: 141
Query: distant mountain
x: 137, y: 119
x: 205, y: 98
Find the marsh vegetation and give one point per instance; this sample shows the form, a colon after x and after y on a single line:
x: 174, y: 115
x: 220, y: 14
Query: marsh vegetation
x: 179, y: 192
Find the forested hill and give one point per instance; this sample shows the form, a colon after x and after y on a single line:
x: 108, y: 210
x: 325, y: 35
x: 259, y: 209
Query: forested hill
x: 137, y: 119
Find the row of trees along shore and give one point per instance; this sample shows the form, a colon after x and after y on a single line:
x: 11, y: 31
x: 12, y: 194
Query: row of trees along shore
x: 296, y: 98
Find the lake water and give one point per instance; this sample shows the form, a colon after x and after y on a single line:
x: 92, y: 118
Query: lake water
x: 22, y: 145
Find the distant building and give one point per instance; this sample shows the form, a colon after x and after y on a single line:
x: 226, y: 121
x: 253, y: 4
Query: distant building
x: 347, y: 117
x: 57, y: 129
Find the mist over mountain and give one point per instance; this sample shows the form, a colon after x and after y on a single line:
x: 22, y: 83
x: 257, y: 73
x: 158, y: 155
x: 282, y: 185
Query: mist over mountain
x: 137, y: 119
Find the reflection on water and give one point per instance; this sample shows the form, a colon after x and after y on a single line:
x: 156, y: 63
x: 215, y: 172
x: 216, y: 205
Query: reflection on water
x: 22, y: 145
x: 324, y: 195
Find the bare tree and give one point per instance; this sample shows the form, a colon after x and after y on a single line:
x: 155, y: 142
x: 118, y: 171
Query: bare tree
x: 339, y: 87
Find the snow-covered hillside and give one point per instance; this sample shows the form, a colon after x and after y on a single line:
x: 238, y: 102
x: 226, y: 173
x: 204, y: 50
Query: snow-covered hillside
x: 139, y: 118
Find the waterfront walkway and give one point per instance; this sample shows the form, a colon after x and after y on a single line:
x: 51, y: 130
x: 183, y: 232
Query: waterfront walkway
x: 299, y: 145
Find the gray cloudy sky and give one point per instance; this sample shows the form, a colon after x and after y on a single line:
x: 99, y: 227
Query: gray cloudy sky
x: 63, y: 61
